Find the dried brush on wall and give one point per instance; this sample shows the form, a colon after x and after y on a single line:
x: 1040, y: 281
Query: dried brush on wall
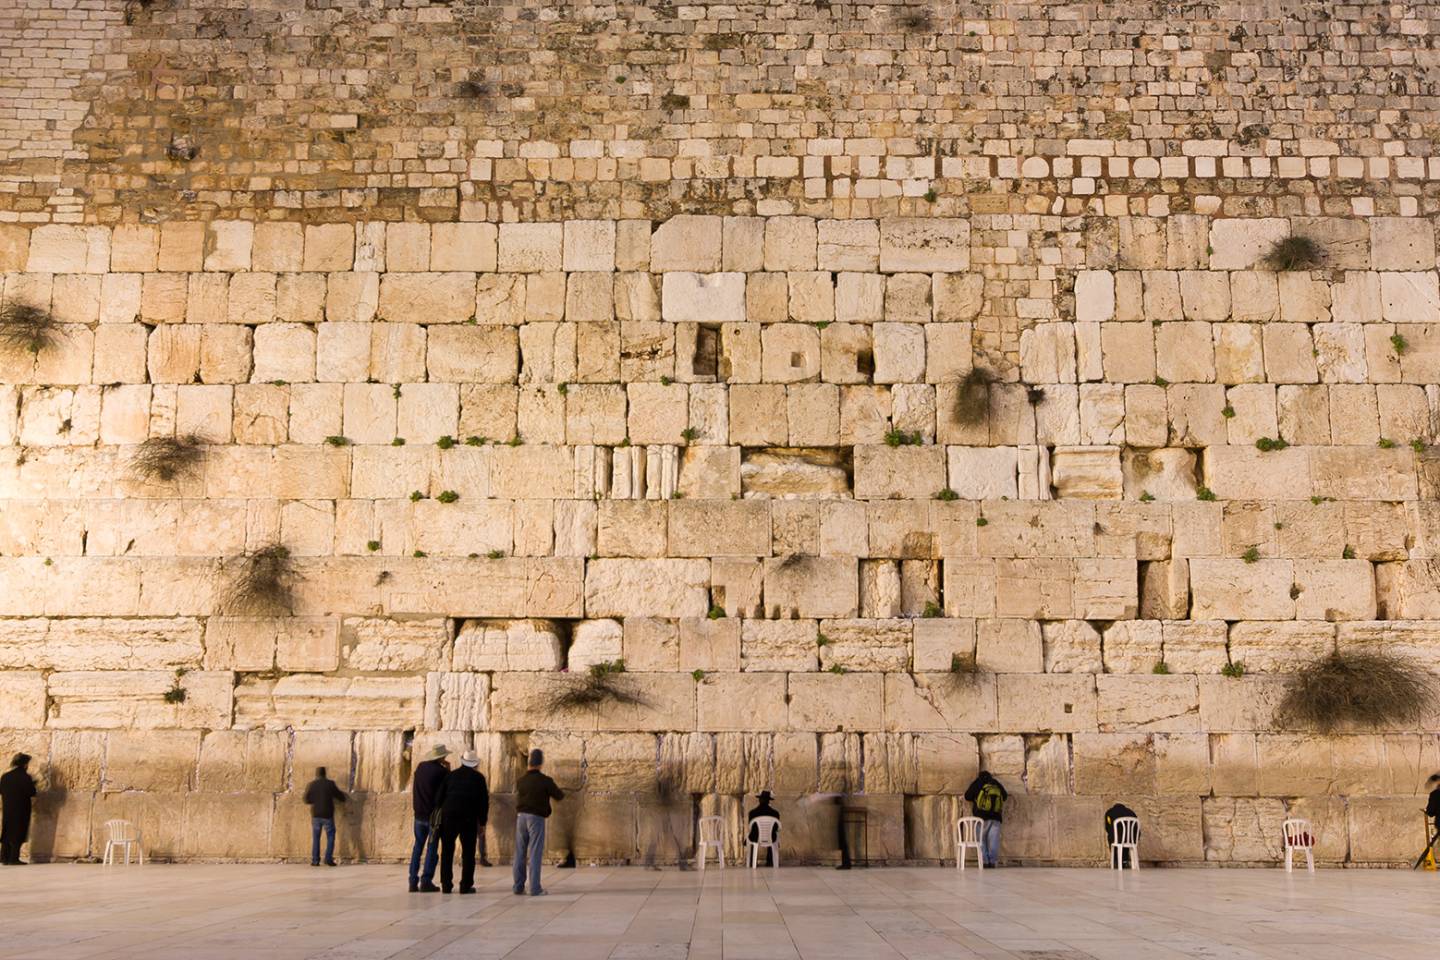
x: 916, y: 19
x: 27, y: 328
x: 598, y: 685
x: 1294, y: 253
x: 972, y: 398
x: 1368, y: 688
x: 165, y: 458
x: 261, y: 583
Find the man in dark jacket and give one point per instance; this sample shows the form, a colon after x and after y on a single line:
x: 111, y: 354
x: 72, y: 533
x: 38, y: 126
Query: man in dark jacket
x: 987, y: 797
x: 1432, y: 808
x: 1117, y: 859
x: 429, y: 774
x: 464, y: 804
x: 763, y: 810
x: 321, y: 795
x: 533, y: 793
x: 17, y: 790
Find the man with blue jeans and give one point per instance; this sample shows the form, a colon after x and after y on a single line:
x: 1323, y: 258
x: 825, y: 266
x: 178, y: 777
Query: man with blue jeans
x: 533, y: 793
x: 430, y: 773
x: 987, y: 797
x: 321, y: 795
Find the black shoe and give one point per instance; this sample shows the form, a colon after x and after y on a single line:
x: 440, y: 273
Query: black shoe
x: 414, y: 888
x: 518, y: 891
x: 429, y: 888
x: 445, y: 890
x: 314, y: 863
x: 331, y: 863
x: 843, y: 866
x: 485, y: 863
x: 465, y: 890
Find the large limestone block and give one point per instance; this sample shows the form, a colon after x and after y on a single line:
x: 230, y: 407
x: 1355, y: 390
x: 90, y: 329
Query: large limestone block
x: 1114, y: 763
x: 938, y: 641
x: 1224, y: 589
x: 983, y: 473
x: 1239, y: 243
x: 56, y: 248
x: 1354, y: 473
x: 719, y: 529
x: 809, y: 586
x: 1295, y: 765
x: 433, y: 297
x: 157, y: 760
x: 1133, y: 646
x: 593, y: 642
x: 1009, y: 646
x: 848, y: 245
x: 1241, y: 705
x: 831, y: 702
x: 1335, y: 590
x: 898, y: 473
x: 236, y: 761
x: 1071, y: 646
x: 136, y: 699
x: 1280, y: 647
x: 1040, y: 589
x: 651, y: 588
x: 311, y: 702
x: 457, y: 701
x: 86, y: 643
x: 1195, y: 646
x: 1419, y: 640
x: 866, y: 645
x: 377, y: 644
x: 1157, y: 704
x: 1094, y: 296
x: 703, y: 297
x: 651, y: 644
x: 751, y: 701
x: 1045, y: 703
x: 22, y: 700
x: 941, y: 702
x: 924, y: 244
x: 1089, y: 473
x: 1242, y: 830
x: 686, y: 242
x: 709, y: 645
x: 1382, y: 829
x: 778, y: 645
x: 530, y: 247
x: 947, y: 762
x: 891, y: 763
x: 230, y: 827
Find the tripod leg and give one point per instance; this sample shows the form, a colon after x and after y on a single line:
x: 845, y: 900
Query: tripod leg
x: 1421, y: 859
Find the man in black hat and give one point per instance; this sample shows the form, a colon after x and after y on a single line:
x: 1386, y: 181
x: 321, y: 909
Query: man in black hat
x: 764, y: 810
x: 533, y: 793
x: 17, y: 790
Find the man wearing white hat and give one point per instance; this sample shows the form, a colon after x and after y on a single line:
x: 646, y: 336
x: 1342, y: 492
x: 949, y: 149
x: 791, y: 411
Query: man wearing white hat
x: 429, y: 775
x: 464, y: 805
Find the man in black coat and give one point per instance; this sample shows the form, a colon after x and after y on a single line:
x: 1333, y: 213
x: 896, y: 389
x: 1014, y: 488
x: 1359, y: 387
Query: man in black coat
x: 1116, y: 811
x: 429, y: 774
x: 464, y: 805
x: 17, y: 790
x: 763, y: 810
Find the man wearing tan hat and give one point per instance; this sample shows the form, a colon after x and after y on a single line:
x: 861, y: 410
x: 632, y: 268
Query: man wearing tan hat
x: 464, y: 805
x: 429, y: 775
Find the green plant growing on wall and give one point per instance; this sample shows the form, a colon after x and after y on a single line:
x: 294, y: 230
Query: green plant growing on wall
x: 689, y: 434
x: 445, y: 442
x: 932, y: 610
x: 1251, y: 554
x: 1400, y: 344
x: 697, y: 675
x: 1160, y: 667
x: 26, y: 328
x: 337, y: 441
x: 598, y: 685
x: 1270, y: 444
x: 972, y: 397
x: 448, y: 496
x: 165, y: 458
x: 947, y: 495
x: 1295, y: 252
x: 372, y: 545
x: 261, y: 583
x: 1235, y: 669
x: 899, y: 438
x: 495, y: 555
x: 176, y: 693
x: 716, y: 612
x: 1367, y: 688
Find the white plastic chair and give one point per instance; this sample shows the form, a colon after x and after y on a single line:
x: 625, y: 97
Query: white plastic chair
x: 765, y: 828
x: 1299, y: 836
x: 968, y: 831
x: 1126, y: 837
x: 122, y: 834
x: 711, y: 829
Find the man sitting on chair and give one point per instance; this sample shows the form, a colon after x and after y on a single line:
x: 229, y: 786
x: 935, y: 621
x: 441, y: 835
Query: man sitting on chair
x: 764, y: 810
x: 1115, y: 813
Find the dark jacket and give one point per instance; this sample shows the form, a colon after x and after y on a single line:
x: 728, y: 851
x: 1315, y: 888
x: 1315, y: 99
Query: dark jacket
x: 428, y: 777
x: 764, y: 810
x: 17, y: 789
x: 1432, y: 809
x: 973, y: 791
x: 321, y: 795
x: 1115, y: 813
x: 463, y: 797
x: 533, y: 793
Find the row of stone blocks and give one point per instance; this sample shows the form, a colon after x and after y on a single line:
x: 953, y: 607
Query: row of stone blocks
x: 701, y: 244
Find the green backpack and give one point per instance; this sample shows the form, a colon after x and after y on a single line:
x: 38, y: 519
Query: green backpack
x: 989, y: 799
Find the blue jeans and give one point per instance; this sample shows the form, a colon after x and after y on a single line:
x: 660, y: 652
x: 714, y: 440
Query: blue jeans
x: 990, y: 842
x: 423, y: 845
x: 316, y: 825
x: 529, y: 848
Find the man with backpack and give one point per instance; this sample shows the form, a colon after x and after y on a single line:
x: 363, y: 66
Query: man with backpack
x: 987, y: 797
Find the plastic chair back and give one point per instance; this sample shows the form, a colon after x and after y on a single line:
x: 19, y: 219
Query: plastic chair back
x: 765, y: 828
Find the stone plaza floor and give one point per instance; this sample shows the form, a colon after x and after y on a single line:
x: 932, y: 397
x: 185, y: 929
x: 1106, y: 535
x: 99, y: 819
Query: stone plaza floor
x: 280, y: 912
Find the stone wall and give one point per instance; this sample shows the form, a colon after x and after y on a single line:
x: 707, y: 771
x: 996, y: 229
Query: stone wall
x: 545, y: 338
